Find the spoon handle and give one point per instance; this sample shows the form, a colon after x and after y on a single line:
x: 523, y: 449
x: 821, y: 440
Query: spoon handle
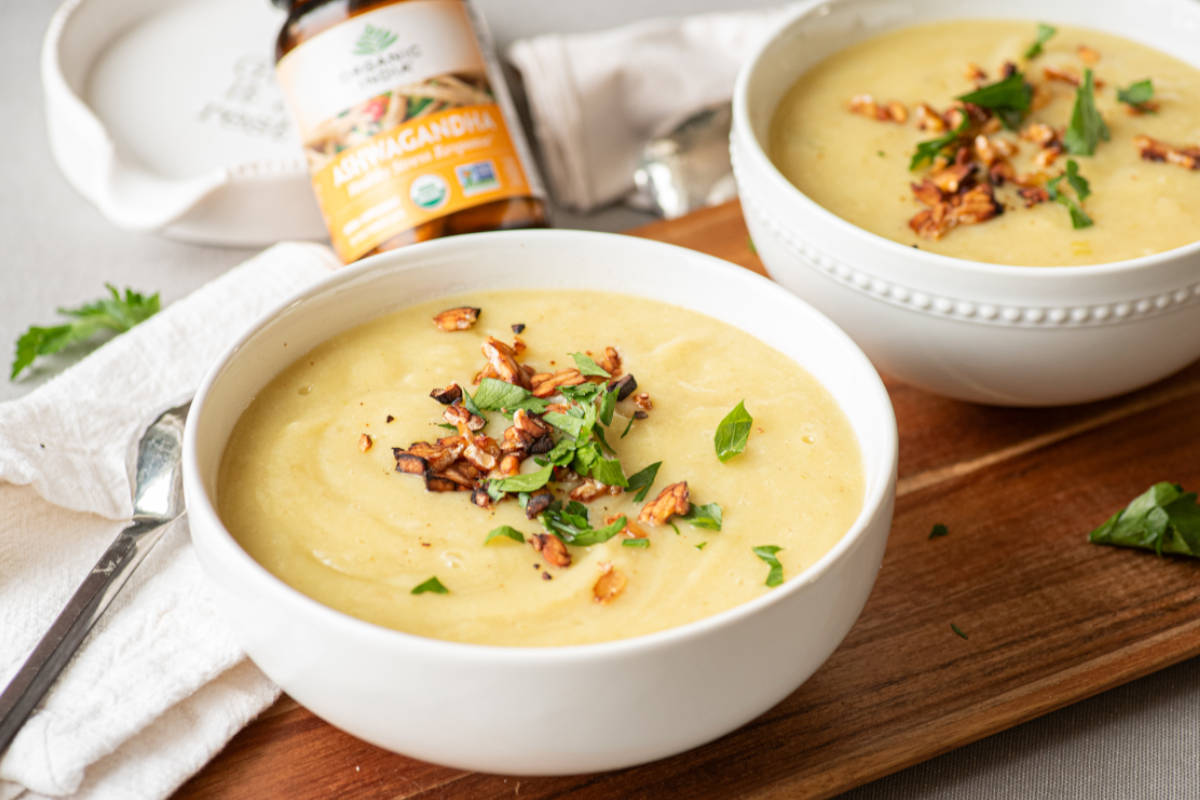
x: 55, y: 649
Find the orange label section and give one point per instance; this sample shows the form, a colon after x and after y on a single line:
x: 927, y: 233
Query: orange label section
x: 416, y: 172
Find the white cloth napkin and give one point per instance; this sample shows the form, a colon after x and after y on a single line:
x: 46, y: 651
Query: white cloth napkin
x: 596, y: 99
x: 159, y: 686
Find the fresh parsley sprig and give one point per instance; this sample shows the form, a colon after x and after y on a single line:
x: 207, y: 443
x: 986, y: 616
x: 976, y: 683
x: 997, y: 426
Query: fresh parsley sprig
x: 930, y: 149
x: 1137, y: 95
x: 767, y: 553
x: 733, y: 432
x: 1164, y: 518
x: 1009, y: 99
x: 114, y: 313
x: 1087, y: 127
x: 1079, y: 219
x: 1044, y: 34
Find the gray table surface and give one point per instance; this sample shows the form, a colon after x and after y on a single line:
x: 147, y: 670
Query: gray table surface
x: 1138, y: 741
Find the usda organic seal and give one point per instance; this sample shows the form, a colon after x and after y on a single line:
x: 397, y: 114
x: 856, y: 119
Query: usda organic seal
x: 428, y: 191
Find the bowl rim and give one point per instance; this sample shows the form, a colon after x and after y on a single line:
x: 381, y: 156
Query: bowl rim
x: 243, y: 567
x: 754, y: 151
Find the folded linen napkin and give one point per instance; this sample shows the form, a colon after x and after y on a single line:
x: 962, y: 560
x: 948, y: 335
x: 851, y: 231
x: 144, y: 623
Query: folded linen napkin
x: 596, y: 99
x: 159, y: 686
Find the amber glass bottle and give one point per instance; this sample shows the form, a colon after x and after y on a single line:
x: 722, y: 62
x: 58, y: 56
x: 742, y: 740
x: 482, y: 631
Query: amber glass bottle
x: 406, y: 123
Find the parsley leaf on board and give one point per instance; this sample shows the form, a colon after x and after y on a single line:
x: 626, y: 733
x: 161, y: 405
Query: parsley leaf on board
x: 431, y: 585
x: 1087, y: 127
x: 642, y: 480
x: 1079, y: 219
x: 588, y: 367
x: 957, y: 631
x: 932, y: 148
x: 733, y: 432
x: 1137, y: 94
x: 1164, y: 519
x: 1044, y: 34
x: 114, y: 313
x: 493, y: 395
x: 706, y: 516
x: 1008, y: 98
x: 939, y: 530
x: 767, y: 553
x: 505, y: 531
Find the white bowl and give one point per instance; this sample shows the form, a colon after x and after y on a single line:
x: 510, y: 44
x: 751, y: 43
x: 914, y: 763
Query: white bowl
x: 543, y: 710
x: 1005, y: 335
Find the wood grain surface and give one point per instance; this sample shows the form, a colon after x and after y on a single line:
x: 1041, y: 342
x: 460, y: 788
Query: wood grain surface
x: 1049, y: 618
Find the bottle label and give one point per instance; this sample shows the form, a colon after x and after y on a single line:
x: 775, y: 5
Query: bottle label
x: 400, y: 123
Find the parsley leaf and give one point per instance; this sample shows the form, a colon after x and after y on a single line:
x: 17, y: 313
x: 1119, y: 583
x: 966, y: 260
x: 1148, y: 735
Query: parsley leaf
x: 608, y: 470
x: 628, y: 426
x: 932, y: 148
x: 1008, y: 98
x: 1164, y: 519
x: 767, y: 553
x: 1077, y: 182
x: 1044, y: 34
x: 642, y: 480
x: 565, y: 523
x: 527, y: 482
x: 586, y: 537
x: 957, y: 630
x: 506, y: 531
x: 1137, y: 94
x: 115, y: 313
x: 939, y: 530
x: 431, y: 585
x: 566, y: 423
x: 635, y: 543
x: 733, y: 432
x: 493, y: 395
x: 608, y: 404
x: 707, y: 516
x: 588, y: 367
x: 1087, y: 127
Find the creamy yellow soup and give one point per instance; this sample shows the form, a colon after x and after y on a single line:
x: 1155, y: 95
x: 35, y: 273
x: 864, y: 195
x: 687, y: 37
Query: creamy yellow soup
x: 343, y: 526
x: 858, y: 167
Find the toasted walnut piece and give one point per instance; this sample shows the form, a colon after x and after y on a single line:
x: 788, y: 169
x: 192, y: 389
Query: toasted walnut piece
x: 610, y: 362
x: 538, y: 502
x: 866, y: 105
x: 670, y: 502
x: 1032, y: 195
x: 1087, y: 55
x: 365, y: 442
x: 440, y: 455
x: 1148, y: 107
x: 975, y: 73
x: 461, y: 472
x: 951, y: 179
x: 631, y: 530
x: 448, y: 396
x: 560, y: 408
x: 460, y: 417
x: 503, y: 361
x: 977, y: 204
x: 1150, y: 149
x: 481, y: 498
x: 551, y: 548
x: 1047, y: 155
x: 927, y: 192
x: 610, y: 584
x: 525, y: 423
x: 1042, y: 95
x: 510, y: 464
x: 1000, y: 172
x: 642, y: 400
x: 456, y: 319
x: 989, y: 150
x: 589, y: 490
x: 932, y: 223
x: 407, y: 462
x: 1068, y: 76
x: 928, y: 119
x: 897, y: 111
x: 1039, y: 133
x: 483, y: 452
x: 486, y: 372
x: 547, y: 384
x: 440, y: 483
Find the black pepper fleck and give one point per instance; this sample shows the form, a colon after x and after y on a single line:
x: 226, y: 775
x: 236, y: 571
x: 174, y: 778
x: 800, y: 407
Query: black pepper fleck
x: 518, y: 327
x: 546, y: 576
x: 390, y: 418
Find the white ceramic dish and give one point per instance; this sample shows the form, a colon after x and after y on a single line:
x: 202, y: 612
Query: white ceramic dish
x: 544, y: 710
x: 165, y: 114
x: 1006, y: 335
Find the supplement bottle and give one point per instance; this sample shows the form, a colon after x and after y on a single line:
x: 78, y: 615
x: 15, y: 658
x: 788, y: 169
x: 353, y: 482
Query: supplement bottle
x: 405, y: 121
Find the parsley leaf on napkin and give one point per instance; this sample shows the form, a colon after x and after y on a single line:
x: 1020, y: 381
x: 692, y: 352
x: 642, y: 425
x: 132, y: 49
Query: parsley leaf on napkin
x: 1164, y: 519
x: 116, y: 313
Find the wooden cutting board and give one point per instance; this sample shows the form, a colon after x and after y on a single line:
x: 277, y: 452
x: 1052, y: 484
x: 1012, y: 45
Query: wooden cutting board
x: 1049, y: 619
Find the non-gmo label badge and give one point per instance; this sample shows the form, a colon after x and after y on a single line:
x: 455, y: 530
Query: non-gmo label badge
x: 428, y: 191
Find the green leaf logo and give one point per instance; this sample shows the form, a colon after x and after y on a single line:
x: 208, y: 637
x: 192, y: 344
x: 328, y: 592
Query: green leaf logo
x: 374, y: 40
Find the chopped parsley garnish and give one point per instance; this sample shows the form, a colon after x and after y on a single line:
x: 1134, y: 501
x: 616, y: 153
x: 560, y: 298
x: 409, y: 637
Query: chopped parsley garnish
x: 1044, y: 34
x: 642, y: 480
x: 1077, y: 182
x: 635, y: 543
x: 115, y: 313
x: 938, y: 530
x: 701, y: 545
x: 588, y: 367
x: 930, y: 149
x: 507, y: 532
x: 494, y: 395
x: 572, y: 526
x: 1009, y: 99
x: 1087, y: 127
x: 767, y: 553
x: 733, y: 432
x: 706, y: 516
x: 628, y: 425
x: 1164, y: 518
x: 957, y: 630
x: 526, y: 482
x: 1137, y: 94
x: 431, y: 585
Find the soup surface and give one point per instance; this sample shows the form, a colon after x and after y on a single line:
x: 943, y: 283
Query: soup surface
x: 857, y: 165
x: 342, y: 525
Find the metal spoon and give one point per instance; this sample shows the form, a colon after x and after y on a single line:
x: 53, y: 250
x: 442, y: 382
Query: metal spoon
x: 157, y: 500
